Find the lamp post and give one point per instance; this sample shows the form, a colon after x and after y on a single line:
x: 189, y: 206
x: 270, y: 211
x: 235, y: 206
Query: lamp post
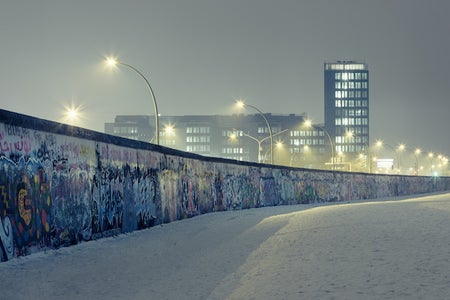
x: 114, y: 62
x: 351, y: 135
x: 241, y: 103
x: 416, y: 154
x: 260, y: 141
x: 309, y: 124
x: 380, y: 144
x: 400, y: 148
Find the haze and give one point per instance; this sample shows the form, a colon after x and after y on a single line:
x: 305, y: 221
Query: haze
x: 201, y: 55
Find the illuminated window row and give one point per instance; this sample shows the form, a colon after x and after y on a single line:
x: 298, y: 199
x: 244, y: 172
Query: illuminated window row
x: 118, y: 130
x: 350, y: 76
x: 233, y: 150
x: 348, y: 85
x: 198, y: 139
x: 345, y: 66
x: 263, y: 130
x: 353, y: 140
x: 349, y: 148
x: 351, y: 103
x: 198, y: 148
x: 348, y: 112
x: 298, y: 142
x: 306, y: 133
x: 197, y: 129
x: 350, y: 94
x: 351, y: 121
x: 232, y: 132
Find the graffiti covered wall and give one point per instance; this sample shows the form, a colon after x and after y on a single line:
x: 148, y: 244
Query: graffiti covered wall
x: 61, y: 185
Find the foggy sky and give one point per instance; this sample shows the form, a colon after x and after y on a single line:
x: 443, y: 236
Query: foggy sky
x: 200, y: 55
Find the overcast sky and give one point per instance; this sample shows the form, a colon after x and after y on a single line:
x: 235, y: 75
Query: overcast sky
x: 200, y: 55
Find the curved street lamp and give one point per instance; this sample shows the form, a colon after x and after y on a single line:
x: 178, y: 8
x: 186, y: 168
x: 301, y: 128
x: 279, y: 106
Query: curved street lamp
x: 114, y: 62
x: 260, y: 141
x: 309, y: 124
x: 416, y: 154
x: 400, y: 147
x: 351, y: 134
x: 241, y: 103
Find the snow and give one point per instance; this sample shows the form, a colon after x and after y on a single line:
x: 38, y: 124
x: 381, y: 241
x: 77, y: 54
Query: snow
x: 385, y: 249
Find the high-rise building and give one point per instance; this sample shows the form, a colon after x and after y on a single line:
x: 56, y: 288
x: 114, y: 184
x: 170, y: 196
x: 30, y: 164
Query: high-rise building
x: 346, y: 99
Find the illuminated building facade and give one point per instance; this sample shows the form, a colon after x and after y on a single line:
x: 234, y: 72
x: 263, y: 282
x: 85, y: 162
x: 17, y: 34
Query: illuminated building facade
x: 346, y: 99
x: 240, y: 137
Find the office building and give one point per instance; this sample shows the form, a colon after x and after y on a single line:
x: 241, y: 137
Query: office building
x: 239, y: 137
x: 346, y: 100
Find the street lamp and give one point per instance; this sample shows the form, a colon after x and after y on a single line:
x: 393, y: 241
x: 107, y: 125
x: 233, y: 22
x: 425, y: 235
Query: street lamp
x: 111, y: 61
x: 258, y: 141
x: 309, y: 124
x: 242, y: 104
x: 400, y: 147
x: 350, y: 135
x: 416, y: 154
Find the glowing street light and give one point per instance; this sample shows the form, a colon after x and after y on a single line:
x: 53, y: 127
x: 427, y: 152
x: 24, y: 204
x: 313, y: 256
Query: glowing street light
x: 233, y: 136
x: 351, y: 135
x: 416, y: 154
x: 309, y: 124
x: 72, y: 114
x: 400, y: 147
x: 111, y: 61
x: 169, y: 130
x: 242, y: 104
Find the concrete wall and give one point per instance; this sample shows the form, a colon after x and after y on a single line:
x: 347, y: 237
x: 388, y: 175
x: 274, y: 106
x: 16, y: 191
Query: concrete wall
x: 61, y: 185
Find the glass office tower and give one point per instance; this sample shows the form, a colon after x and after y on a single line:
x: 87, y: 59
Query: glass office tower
x: 346, y: 97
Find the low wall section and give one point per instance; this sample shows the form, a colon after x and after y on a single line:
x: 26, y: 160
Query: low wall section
x: 61, y: 185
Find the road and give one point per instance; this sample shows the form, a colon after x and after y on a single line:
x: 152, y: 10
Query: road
x: 385, y: 249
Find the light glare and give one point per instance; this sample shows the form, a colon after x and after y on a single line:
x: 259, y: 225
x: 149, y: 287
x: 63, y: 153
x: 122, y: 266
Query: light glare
x: 111, y: 61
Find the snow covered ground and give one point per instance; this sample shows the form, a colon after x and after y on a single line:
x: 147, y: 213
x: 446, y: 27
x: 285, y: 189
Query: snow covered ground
x: 361, y: 250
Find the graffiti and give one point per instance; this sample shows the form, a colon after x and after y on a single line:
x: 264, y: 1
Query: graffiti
x: 6, y: 232
x: 268, y: 192
x: 58, y: 190
x: 24, y: 205
x: 15, y: 139
x: 107, y: 196
x: 189, y: 196
x: 239, y: 192
x: 146, y: 200
x: 169, y: 195
x: 6, y: 239
x: 71, y: 196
